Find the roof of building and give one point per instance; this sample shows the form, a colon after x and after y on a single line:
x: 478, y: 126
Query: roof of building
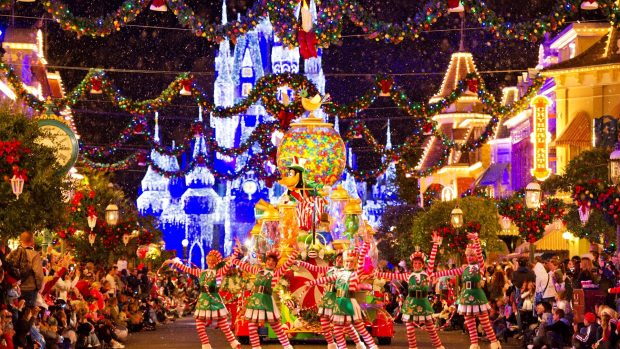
x: 461, y: 64
x: 578, y: 132
x: 604, y: 51
x: 494, y: 174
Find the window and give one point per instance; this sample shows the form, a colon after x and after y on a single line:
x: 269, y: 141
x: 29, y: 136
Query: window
x: 245, y: 89
x: 247, y: 72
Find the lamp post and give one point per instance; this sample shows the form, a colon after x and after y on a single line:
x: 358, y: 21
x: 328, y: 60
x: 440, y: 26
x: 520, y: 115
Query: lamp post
x: 185, y: 243
x: 614, y: 176
x: 111, y: 215
x: 533, y: 194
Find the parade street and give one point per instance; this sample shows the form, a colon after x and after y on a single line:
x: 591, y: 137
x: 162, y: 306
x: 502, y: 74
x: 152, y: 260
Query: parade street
x: 181, y: 334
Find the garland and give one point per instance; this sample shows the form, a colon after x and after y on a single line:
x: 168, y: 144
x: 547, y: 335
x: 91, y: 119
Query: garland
x: 331, y: 16
x: 432, y: 193
x: 530, y: 222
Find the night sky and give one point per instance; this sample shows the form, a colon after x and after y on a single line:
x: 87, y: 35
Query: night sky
x: 156, y: 42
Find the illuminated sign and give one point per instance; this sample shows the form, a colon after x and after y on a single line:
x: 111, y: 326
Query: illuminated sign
x: 540, y: 138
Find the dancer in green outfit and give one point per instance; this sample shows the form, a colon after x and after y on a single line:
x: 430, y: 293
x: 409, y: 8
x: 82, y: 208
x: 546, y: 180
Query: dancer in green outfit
x: 261, y: 307
x: 417, y: 308
x: 472, y: 301
x: 210, y: 307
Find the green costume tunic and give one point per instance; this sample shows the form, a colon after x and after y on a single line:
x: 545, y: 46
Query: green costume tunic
x: 347, y: 309
x: 209, y: 305
x: 472, y: 299
x: 417, y: 307
x: 328, y: 302
x: 260, y: 306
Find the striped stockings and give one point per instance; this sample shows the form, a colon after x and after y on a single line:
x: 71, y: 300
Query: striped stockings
x: 411, y: 338
x: 432, y: 332
x: 486, y: 325
x: 361, y: 329
x: 339, y: 334
x: 254, y: 339
x: 326, y: 328
x: 202, y: 333
x: 352, y: 333
x: 282, y: 337
x: 225, y: 327
x: 470, y: 322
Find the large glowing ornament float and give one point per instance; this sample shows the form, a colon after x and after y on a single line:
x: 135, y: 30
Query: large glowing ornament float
x: 315, y: 141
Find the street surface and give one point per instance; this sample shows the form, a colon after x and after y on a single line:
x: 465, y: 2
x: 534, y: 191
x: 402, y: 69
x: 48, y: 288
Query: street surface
x: 181, y: 334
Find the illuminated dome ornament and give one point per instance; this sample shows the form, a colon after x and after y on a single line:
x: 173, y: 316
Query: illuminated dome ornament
x: 318, y: 143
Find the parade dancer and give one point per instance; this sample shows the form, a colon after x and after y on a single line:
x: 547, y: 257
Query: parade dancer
x: 210, y: 307
x: 347, y: 311
x: 417, y: 308
x: 472, y: 302
x: 328, y: 302
x: 261, y: 306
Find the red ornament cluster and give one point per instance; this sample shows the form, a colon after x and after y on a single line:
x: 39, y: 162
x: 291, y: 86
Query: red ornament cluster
x: 531, y: 222
x: 11, y: 154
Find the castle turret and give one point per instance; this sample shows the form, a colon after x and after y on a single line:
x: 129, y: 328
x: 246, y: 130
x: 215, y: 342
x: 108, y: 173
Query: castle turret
x: 155, y: 196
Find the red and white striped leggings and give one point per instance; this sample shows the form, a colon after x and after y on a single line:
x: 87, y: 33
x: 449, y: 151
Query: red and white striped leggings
x: 277, y: 328
x: 221, y: 323
x: 470, y: 322
x: 429, y: 326
x: 329, y: 336
x: 339, y: 331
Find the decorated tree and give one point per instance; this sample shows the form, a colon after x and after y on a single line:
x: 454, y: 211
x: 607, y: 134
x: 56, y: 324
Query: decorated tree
x: 476, y: 210
x: 41, y: 205
x: 588, y: 165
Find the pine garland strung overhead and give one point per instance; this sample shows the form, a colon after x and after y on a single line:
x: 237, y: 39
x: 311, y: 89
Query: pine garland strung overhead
x: 331, y: 16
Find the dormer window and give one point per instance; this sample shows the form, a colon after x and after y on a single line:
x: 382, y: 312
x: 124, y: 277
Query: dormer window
x: 247, y: 72
x: 245, y: 89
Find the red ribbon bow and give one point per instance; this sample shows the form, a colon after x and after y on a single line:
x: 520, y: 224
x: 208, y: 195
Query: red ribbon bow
x: 472, y: 85
x: 95, y: 84
x: 386, y: 86
x: 307, y: 44
x: 453, y: 3
x: 285, y: 118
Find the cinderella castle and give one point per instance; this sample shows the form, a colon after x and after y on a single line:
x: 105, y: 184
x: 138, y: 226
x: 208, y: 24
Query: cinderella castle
x: 211, y: 213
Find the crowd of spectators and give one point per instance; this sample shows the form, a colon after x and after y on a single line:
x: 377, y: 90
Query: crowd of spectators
x: 537, y: 303
x: 48, y: 300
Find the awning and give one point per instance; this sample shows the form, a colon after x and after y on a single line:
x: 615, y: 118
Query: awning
x: 553, y: 242
x: 493, y: 174
x: 578, y: 132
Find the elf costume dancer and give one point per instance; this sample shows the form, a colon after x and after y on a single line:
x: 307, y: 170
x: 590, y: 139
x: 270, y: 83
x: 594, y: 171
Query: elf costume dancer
x: 417, y: 308
x: 347, y: 311
x: 472, y: 303
x: 328, y: 302
x: 210, y: 307
x: 261, y: 306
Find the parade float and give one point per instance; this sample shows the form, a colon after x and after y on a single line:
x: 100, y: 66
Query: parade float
x: 316, y: 221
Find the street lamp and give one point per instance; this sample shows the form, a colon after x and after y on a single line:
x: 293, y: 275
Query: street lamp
x: 614, y: 176
x: 456, y: 218
x: 17, y: 185
x: 185, y: 243
x: 533, y: 194
x: 111, y: 215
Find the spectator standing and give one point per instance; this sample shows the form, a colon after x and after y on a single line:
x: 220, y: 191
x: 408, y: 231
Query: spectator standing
x: 542, y: 278
x: 30, y: 266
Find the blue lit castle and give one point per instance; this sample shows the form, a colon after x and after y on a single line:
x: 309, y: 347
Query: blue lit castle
x: 210, y: 213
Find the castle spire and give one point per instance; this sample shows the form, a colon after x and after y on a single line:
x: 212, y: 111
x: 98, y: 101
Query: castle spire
x: 199, y: 113
x: 388, y: 142
x: 156, y: 137
x: 224, y: 15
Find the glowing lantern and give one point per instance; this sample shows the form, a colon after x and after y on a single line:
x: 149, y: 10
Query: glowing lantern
x: 91, y: 238
x: 17, y: 185
x: 339, y: 199
x: 456, y: 218
x: 533, y: 194
x: 92, y: 221
x: 111, y: 214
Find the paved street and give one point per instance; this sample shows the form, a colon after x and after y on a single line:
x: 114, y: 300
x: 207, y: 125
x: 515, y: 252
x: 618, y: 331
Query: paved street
x: 181, y: 335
